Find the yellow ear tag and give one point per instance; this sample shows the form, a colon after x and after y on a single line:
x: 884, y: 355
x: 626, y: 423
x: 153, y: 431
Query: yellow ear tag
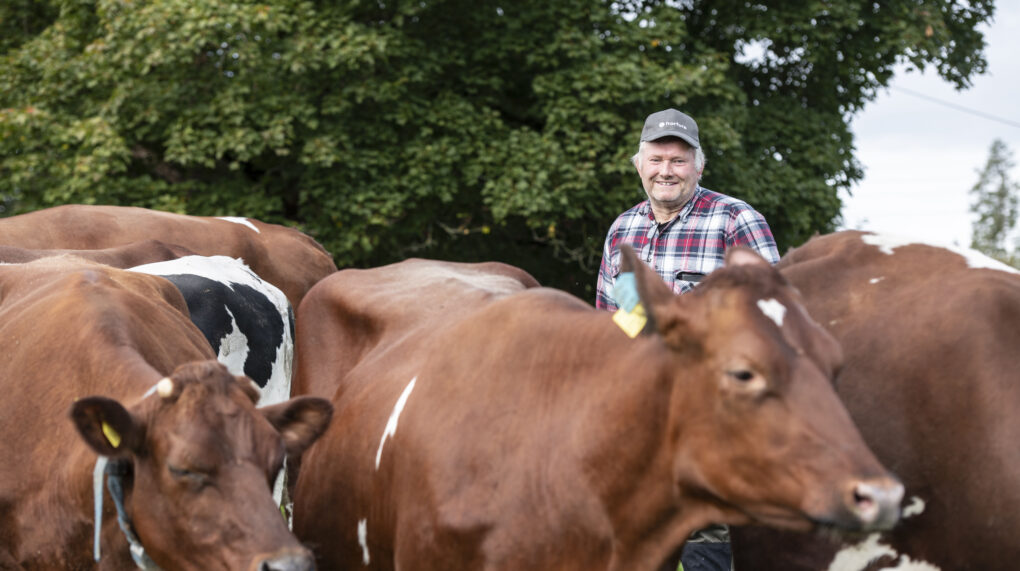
x: 633, y: 321
x: 111, y: 435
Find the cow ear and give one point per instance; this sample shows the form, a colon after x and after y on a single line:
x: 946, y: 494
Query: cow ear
x: 106, y: 426
x: 655, y: 295
x: 744, y: 256
x: 300, y: 421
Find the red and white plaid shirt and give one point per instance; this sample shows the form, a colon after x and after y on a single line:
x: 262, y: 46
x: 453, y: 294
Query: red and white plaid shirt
x: 688, y: 247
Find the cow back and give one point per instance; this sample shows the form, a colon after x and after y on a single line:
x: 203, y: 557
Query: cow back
x: 929, y: 335
x: 285, y: 257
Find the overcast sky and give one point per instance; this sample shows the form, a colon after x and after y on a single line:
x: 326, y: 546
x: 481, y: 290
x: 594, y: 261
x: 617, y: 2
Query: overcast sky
x: 921, y: 157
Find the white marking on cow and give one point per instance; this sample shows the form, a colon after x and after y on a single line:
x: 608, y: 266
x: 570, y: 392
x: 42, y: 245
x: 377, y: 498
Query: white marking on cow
x: 773, y: 309
x: 283, y: 368
x: 391, y: 424
x: 833, y: 322
x: 240, y: 220
x: 875, y: 280
x: 363, y: 541
x: 857, y: 557
x: 916, y: 507
x: 886, y: 243
x: 233, y: 348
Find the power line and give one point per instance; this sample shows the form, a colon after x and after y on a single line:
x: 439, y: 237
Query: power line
x: 957, y: 107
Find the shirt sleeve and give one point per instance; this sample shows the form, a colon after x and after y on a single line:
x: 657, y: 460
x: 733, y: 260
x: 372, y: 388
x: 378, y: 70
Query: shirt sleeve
x: 604, y: 286
x: 750, y: 229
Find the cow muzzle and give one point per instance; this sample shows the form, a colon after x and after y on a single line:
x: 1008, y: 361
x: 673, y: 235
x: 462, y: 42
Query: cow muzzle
x: 285, y: 560
x: 874, y: 503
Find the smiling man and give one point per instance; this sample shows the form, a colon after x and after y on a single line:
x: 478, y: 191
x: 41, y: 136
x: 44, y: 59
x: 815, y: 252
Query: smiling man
x: 682, y: 229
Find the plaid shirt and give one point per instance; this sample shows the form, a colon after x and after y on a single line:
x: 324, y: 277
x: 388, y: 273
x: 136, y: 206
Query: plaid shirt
x: 688, y: 247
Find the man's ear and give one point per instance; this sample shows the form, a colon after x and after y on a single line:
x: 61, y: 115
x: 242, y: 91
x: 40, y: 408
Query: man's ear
x: 107, y: 427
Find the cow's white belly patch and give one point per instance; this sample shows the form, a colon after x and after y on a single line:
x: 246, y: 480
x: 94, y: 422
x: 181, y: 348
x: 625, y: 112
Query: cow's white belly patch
x: 857, y: 557
x: 391, y: 424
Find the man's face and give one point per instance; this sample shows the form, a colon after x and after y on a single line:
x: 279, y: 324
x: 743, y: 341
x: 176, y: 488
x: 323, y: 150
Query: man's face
x: 668, y: 173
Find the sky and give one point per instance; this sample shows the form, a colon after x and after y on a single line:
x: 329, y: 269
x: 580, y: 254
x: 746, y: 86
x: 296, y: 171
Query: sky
x: 922, y: 143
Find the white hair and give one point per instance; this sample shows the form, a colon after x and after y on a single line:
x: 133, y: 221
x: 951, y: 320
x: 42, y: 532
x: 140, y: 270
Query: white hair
x: 699, y: 156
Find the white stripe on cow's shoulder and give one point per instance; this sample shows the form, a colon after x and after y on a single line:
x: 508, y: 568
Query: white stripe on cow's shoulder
x: 363, y: 541
x: 773, y: 309
x: 886, y: 243
x: 916, y: 507
x: 240, y: 220
x: 857, y: 557
x: 391, y: 424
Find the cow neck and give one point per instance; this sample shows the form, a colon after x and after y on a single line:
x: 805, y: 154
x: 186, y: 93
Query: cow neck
x: 115, y: 471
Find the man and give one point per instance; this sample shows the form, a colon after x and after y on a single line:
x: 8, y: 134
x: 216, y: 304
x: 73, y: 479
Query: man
x: 682, y: 230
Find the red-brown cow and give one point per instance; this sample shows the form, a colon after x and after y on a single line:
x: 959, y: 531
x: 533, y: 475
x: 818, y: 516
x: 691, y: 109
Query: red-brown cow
x: 282, y: 256
x: 931, y: 338
x: 196, y: 458
x: 126, y: 256
x: 525, y: 430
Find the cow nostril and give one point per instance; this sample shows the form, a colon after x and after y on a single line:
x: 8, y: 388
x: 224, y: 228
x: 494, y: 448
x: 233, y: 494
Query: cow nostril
x: 864, y: 502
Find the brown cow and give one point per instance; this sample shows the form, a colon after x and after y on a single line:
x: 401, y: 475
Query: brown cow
x: 525, y: 430
x: 282, y: 256
x: 197, y: 458
x: 931, y: 338
x: 126, y: 256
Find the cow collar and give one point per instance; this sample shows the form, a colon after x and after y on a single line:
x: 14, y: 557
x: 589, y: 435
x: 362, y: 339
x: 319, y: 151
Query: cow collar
x: 115, y: 471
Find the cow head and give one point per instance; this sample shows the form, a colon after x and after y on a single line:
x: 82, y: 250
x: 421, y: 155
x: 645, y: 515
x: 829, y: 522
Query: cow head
x: 203, y: 459
x: 762, y: 436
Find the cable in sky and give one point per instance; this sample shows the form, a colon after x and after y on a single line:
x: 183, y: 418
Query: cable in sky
x: 957, y: 107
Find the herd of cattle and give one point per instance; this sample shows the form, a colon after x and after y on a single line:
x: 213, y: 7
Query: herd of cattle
x: 850, y: 409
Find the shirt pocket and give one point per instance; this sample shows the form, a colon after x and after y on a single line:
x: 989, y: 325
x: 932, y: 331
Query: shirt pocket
x: 686, y: 280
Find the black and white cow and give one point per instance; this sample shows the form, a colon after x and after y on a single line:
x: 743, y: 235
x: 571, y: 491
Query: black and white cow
x: 249, y: 322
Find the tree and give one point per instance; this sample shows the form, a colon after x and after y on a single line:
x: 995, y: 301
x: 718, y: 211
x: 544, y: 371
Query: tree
x: 457, y: 129
x: 995, y: 203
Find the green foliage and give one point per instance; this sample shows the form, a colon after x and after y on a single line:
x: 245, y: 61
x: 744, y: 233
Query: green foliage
x: 995, y: 203
x: 458, y: 129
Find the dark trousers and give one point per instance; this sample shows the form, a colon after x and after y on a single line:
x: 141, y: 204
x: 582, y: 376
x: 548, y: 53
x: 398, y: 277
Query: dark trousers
x: 702, y: 556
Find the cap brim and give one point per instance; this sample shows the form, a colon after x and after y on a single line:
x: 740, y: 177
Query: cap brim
x: 679, y: 134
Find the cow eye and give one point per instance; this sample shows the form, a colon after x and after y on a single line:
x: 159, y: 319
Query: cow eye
x: 746, y: 380
x: 742, y: 375
x: 186, y: 475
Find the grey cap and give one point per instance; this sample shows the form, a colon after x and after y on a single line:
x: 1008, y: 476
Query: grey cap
x: 670, y: 123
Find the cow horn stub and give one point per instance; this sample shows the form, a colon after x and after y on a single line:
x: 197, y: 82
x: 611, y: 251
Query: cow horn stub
x: 165, y: 387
